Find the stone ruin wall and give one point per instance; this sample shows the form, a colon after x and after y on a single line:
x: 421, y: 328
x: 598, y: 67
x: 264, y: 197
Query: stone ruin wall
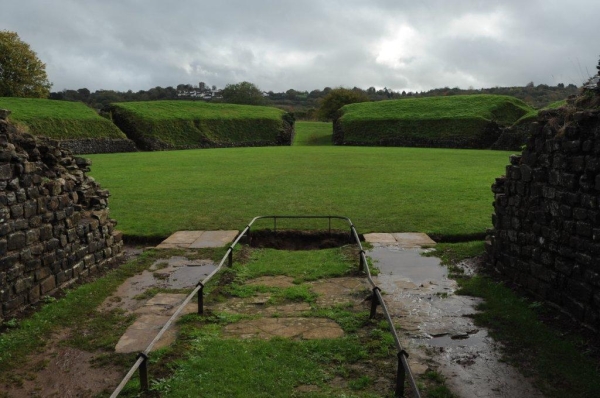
x: 54, y: 220
x: 546, y: 234
x: 93, y: 145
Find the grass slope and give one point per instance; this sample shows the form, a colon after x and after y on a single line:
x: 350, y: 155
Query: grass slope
x: 431, y: 118
x: 59, y: 119
x: 192, y: 124
x: 437, y: 191
x: 531, y: 116
x: 312, y: 134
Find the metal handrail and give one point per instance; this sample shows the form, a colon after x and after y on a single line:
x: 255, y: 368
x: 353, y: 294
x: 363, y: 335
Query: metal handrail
x: 403, y: 369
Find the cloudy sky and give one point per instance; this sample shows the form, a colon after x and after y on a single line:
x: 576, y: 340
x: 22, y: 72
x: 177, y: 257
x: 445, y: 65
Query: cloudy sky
x: 309, y: 44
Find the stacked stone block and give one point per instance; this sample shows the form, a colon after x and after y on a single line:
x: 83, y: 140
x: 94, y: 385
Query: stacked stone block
x: 546, y: 234
x: 54, y: 220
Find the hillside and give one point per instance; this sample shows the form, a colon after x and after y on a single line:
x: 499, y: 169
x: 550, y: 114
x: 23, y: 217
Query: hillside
x: 469, y: 121
x: 60, y: 120
x: 156, y: 125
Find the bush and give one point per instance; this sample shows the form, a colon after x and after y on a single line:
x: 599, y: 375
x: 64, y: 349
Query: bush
x: 336, y: 99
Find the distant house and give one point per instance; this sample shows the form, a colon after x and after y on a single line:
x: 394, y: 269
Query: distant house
x: 206, y: 94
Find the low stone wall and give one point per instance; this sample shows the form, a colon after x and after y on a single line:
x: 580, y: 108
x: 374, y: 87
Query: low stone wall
x: 91, y: 145
x: 54, y: 220
x: 512, y: 139
x: 546, y: 233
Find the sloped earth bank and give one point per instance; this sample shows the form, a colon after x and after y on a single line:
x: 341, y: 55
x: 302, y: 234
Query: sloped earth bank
x: 435, y: 325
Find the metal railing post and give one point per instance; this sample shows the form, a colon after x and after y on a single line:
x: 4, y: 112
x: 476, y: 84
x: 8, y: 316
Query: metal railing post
x: 361, y: 265
x: 374, y: 302
x: 200, y: 298
x: 400, y: 376
x: 143, y: 372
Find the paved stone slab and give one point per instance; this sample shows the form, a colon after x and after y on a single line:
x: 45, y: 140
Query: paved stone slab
x: 180, y: 239
x: 153, y: 316
x: 272, y: 281
x: 198, y: 239
x: 142, y: 332
x: 413, y: 239
x: 258, y: 305
x: 214, y: 239
x: 303, y: 328
x: 340, y: 291
x: 379, y: 238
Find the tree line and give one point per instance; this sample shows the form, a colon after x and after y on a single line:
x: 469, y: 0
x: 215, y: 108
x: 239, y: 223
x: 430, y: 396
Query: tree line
x: 22, y: 74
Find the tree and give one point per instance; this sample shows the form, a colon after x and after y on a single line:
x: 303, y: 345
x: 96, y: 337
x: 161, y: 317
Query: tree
x: 598, y: 67
x: 22, y: 74
x: 242, y: 93
x: 337, y: 98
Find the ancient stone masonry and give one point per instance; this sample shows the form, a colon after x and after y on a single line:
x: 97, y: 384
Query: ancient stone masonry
x: 93, y: 145
x: 54, y: 220
x: 546, y: 233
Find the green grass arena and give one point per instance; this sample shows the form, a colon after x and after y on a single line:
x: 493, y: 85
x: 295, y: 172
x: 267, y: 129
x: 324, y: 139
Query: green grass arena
x: 436, y: 191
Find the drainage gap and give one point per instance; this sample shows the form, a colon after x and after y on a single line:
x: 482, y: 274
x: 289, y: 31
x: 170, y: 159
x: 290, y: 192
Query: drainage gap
x: 299, y: 240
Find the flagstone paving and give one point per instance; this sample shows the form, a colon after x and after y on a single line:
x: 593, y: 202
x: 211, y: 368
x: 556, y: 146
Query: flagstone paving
x: 303, y: 328
x: 198, y: 239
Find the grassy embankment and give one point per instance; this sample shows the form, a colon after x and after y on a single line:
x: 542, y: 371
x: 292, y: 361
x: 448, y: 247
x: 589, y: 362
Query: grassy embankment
x: 195, y: 124
x: 460, y: 119
x: 59, y: 119
x: 312, y: 134
x: 531, y: 116
x: 437, y: 191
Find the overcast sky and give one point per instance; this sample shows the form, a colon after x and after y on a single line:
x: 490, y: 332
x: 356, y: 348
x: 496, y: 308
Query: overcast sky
x: 308, y: 44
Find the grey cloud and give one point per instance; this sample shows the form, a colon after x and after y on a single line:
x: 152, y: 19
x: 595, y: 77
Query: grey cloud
x: 281, y: 44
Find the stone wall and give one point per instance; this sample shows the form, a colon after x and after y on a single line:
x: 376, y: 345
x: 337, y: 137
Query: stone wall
x: 546, y: 234
x: 54, y: 220
x: 93, y: 145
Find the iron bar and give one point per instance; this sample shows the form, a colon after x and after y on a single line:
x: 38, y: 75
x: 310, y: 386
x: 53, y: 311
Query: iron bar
x: 200, y: 298
x: 374, y: 302
x: 144, y: 372
x: 400, y: 376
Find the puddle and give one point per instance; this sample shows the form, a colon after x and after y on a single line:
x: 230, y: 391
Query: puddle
x: 408, y: 263
x: 173, y: 273
x: 180, y: 273
x: 458, y: 340
x: 422, y: 303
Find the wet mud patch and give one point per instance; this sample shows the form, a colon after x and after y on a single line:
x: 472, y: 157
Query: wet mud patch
x: 61, y: 371
x: 298, y: 240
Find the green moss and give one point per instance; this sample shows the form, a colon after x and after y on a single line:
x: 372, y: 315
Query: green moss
x: 59, y: 119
